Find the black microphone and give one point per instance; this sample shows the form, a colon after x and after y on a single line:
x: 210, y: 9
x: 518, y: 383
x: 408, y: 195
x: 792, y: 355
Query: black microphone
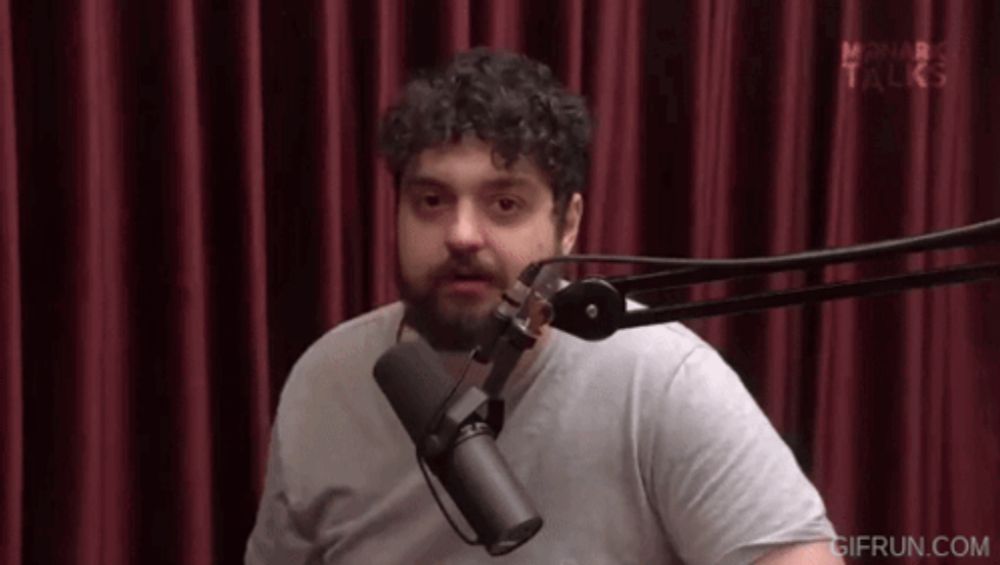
x: 469, y: 465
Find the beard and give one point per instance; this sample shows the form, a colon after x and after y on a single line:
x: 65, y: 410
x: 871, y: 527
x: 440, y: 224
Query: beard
x: 449, y: 325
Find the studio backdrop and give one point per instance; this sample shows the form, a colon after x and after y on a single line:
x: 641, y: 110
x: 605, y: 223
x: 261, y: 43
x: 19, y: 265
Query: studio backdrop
x: 189, y: 196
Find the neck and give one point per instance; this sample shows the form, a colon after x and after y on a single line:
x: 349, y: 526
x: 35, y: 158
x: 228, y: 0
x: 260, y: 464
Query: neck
x: 456, y: 361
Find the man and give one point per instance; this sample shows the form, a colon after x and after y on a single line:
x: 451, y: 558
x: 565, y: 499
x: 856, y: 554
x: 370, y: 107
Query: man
x: 641, y: 448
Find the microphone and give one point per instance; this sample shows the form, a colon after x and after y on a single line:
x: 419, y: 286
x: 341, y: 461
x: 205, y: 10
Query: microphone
x: 467, y: 462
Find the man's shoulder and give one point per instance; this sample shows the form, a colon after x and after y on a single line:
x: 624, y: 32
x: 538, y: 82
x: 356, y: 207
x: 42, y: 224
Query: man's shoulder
x: 664, y: 346
x: 342, y: 353
x: 374, y: 327
x: 645, y: 361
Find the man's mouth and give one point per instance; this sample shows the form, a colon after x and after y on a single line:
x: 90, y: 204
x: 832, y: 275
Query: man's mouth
x: 469, y: 277
x: 468, y: 283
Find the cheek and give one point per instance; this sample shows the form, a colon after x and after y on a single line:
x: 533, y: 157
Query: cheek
x: 408, y: 247
x: 419, y: 249
x: 537, y: 242
x: 544, y: 243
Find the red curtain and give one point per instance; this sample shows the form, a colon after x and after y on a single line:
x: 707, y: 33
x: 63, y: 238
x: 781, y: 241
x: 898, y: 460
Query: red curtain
x: 189, y: 196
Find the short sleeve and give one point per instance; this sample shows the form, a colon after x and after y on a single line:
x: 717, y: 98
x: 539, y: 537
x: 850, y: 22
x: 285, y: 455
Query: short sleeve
x: 726, y: 486
x: 275, y: 538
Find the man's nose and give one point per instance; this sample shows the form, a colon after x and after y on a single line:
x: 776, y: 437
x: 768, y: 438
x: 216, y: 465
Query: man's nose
x: 465, y: 234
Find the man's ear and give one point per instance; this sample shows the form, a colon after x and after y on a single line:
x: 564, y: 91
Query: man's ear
x: 571, y: 223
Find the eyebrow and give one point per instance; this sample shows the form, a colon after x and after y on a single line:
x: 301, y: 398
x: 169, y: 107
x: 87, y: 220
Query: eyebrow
x: 420, y: 180
x: 507, y: 181
x: 497, y: 183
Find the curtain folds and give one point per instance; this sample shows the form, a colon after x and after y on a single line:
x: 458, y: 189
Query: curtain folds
x: 11, y: 375
x: 190, y: 195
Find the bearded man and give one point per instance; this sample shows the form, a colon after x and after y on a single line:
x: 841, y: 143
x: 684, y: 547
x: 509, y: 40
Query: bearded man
x: 641, y: 448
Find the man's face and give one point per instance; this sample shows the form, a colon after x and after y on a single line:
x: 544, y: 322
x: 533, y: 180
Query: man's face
x: 466, y: 231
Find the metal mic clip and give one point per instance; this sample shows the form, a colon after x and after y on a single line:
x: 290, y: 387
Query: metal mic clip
x: 523, y: 310
x: 467, y: 406
x: 517, y: 324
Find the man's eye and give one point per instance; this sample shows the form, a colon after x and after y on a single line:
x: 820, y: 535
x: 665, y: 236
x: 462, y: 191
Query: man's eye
x: 430, y: 200
x: 507, y: 205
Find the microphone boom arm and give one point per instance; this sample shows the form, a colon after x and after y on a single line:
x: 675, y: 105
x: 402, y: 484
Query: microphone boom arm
x: 595, y: 308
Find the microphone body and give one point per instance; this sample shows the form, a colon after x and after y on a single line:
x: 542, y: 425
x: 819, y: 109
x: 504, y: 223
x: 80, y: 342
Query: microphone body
x: 470, y: 467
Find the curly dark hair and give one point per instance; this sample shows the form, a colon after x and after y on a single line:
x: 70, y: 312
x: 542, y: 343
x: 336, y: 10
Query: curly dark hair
x: 507, y: 100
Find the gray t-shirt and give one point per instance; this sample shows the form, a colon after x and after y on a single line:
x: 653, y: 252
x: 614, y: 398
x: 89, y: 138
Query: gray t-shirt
x: 642, y: 448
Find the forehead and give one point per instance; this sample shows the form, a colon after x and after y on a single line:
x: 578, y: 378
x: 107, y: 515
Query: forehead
x: 471, y: 160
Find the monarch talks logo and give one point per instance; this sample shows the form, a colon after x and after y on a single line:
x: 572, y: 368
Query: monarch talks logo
x: 892, y: 65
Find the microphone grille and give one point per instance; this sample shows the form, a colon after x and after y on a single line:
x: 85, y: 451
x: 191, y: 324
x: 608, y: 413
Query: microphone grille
x: 415, y: 382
